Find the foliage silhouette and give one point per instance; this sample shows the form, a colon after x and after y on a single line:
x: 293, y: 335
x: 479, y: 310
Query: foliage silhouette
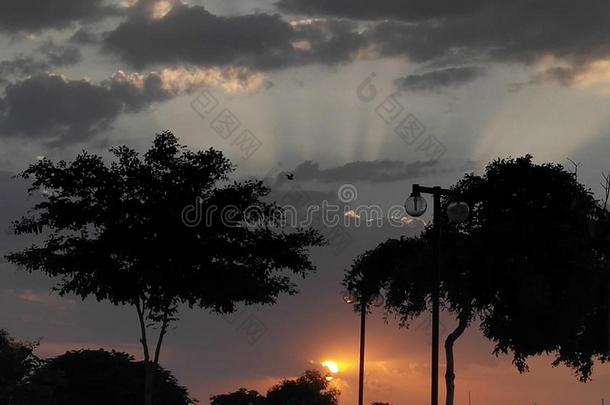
x: 17, y: 363
x: 312, y: 388
x: 98, y: 377
x: 117, y: 232
x: 240, y: 397
x: 524, y: 263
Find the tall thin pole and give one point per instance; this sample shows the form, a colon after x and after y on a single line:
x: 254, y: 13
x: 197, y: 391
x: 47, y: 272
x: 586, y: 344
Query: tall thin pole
x: 362, y: 335
x: 435, y: 295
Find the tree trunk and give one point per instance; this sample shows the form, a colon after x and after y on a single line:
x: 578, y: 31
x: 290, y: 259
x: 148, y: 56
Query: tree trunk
x: 148, y: 383
x: 148, y: 372
x: 450, y: 371
x: 160, y: 339
x: 150, y: 367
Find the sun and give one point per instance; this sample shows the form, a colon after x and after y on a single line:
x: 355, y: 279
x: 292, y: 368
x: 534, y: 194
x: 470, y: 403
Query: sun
x: 331, y: 366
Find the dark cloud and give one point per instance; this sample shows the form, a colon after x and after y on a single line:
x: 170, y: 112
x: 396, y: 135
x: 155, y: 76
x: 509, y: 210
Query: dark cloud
x: 21, y: 66
x: 47, y: 57
x: 36, y: 15
x: 463, y: 33
x: 493, y: 35
x: 57, y: 109
x: 60, y: 111
x: 409, y: 10
x: 137, y: 97
x: 84, y: 37
x: 377, y: 170
x: 438, y: 79
x: 58, y: 55
x: 190, y: 34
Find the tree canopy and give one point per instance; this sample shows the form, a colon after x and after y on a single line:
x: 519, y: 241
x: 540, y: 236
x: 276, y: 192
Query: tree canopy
x: 17, y: 363
x: 240, y: 397
x: 124, y: 231
x: 98, y: 377
x: 525, y: 264
x: 311, y: 388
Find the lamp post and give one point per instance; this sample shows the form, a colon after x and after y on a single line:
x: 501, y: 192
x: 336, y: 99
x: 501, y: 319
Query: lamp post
x: 458, y: 212
x: 377, y: 301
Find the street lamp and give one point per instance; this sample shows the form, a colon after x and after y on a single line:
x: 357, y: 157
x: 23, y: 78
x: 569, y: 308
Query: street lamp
x: 377, y: 301
x: 457, y: 212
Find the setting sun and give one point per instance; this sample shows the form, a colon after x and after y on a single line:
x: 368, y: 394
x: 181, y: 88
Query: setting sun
x: 331, y: 366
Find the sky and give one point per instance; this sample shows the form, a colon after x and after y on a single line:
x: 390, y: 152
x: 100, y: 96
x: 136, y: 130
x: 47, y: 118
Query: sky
x: 376, y: 95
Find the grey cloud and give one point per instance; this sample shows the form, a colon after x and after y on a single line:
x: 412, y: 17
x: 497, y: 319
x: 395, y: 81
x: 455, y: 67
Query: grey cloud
x: 410, y: 10
x: 438, y: 79
x: 506, y: 31
x: 56, y: 109
x: 520, y: 31
x: 58, y: 55
x: 190, y: 34
x: 136, y: 98
x: 52, y: 56
x: 36, y: 15
x: 377, y: 170
x: 84, y: 36
x: 563, y: 76
x: 60, y: 111
x: 21, y: 66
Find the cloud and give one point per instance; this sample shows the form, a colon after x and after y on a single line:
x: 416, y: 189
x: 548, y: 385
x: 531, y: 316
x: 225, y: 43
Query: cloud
x: 446, y: 33
x: 53, y: 56
x: 438, y: 79
x: 411, y: 10
x: 56, y: 109
x: 377, y: 170
x: 35, y: 15
x: 84, y: 36
x: 192, y: 35
x: 60, y: 111
x: 593, y: 74
x: 31, y: 296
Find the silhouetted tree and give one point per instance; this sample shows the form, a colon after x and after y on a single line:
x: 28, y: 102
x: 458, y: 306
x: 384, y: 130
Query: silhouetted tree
x: 17, y: 363
x: 159, y: 230
x: 524, y: 263
x: 312, y: 388
x: 530, y: 263
x: 240, y: 397
x: 98, y: 377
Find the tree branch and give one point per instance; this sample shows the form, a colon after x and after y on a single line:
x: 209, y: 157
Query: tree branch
x: 606, y: 188
x: 140, y: 308
x: 161, y: 335
x: 575, y: 174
